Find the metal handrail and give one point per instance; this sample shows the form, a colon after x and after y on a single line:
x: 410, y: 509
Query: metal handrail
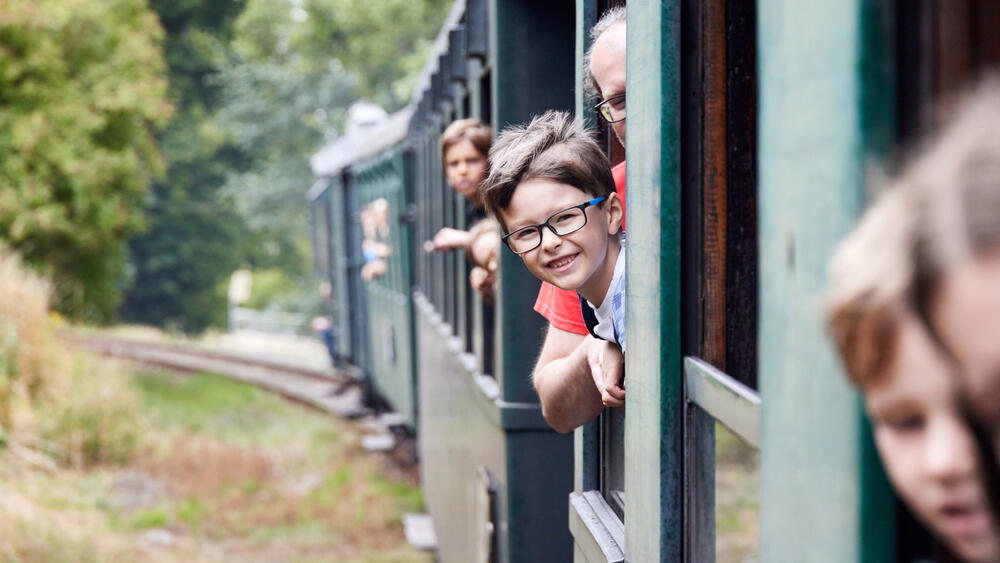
x: 725, y: 399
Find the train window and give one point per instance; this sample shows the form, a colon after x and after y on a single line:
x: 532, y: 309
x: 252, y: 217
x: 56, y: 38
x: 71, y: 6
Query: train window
x: 943, y: 47
x: 719, y: 265
x: 610, y: 426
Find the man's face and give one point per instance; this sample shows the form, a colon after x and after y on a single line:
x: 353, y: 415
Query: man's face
x: 966, y: 315
x: 927, y: 449
x: 607, y: 63
x: 574, y: 261
x: 465, y: 167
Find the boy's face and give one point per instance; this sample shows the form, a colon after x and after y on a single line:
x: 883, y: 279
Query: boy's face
x: 967, y: 316
x: 465, y: 167
x: 573, y: 261
x: 926, y: 448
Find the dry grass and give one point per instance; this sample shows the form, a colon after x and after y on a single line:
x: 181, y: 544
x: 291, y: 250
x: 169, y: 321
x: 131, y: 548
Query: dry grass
x: 24, y: 301
x: 99, y: 465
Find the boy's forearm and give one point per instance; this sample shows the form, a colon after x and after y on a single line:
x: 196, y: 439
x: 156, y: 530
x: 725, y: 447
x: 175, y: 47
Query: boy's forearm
x: 565, y: 387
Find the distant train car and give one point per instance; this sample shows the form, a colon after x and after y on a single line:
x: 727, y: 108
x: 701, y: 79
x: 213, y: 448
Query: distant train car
x: 752, y: 126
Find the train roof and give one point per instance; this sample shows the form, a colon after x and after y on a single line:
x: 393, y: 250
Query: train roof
x: 361, y: 144
x: 369, y: 141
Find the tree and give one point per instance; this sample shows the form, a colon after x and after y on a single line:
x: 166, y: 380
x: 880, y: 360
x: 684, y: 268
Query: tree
x: 196, y: 237
x: 82, y: 87
x: 260, y: 85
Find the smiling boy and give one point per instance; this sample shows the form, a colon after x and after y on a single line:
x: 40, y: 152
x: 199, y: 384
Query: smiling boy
x: 551, y: 189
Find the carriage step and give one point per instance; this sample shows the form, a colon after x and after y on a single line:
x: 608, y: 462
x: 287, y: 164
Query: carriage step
x: 419, y: 531
x: 378, y: 442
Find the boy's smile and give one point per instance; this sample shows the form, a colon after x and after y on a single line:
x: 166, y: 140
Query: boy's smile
x: 583, y: 260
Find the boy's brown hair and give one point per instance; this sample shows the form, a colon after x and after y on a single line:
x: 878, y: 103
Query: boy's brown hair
x: 472, y: 130
x: 552, y: 147
x: 870, y: 280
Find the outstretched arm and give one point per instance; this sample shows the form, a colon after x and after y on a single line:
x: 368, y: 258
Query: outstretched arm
x: 563, y: 380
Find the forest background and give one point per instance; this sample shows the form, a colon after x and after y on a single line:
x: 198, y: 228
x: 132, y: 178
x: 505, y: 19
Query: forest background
x: 150, y: 148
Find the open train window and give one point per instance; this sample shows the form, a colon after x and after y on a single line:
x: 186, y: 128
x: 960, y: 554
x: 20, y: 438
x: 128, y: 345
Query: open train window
x: 718, y: 256
x: 942, y: 48
x: 610, y: 426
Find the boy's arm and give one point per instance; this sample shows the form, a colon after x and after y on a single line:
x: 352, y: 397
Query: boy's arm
x: 565, y: 382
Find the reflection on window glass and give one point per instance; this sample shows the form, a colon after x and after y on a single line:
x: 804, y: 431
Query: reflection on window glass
x: 376, y: 245
x: 737, y: 482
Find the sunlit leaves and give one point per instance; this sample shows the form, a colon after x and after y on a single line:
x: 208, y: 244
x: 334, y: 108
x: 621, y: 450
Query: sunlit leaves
x: 82, y: 88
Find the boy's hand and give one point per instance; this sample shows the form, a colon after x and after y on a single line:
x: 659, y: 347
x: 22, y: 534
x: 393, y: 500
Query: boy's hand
x: 483, y: 280
x: 607, y: 367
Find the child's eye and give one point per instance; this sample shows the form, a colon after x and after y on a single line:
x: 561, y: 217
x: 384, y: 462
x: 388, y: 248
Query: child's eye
x: 565, y: 217
x: 524, y: 234
x: 905, y: 423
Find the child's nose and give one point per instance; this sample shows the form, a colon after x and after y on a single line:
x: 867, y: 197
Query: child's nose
x: 949, y: 453
x: 550, y: 240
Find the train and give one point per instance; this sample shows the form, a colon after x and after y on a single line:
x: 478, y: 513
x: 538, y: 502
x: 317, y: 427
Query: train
x: 752, y: 128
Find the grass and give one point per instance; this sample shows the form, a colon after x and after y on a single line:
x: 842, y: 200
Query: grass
x: 225, y: 472
x: 737, y: 483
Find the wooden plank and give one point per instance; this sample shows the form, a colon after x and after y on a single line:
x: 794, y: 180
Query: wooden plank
x: 712, y: 347
x: 823, y: 117
x: 653, y: 435
x: 741, y: 191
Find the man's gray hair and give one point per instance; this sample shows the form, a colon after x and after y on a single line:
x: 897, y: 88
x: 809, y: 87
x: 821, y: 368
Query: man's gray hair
x: 611, y: 18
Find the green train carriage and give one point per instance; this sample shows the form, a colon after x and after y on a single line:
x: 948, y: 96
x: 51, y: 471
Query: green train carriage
x: 752, y: 129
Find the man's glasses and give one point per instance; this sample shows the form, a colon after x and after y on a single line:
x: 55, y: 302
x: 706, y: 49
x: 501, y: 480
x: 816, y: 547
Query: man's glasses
x: 612, y: 109
x: 561, y: 223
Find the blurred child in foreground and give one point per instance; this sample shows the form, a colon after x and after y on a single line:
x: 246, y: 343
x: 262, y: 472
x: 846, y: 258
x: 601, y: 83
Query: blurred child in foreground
x: 914, y: 308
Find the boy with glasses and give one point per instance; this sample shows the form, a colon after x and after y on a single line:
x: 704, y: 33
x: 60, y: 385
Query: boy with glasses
x: 550, y: 187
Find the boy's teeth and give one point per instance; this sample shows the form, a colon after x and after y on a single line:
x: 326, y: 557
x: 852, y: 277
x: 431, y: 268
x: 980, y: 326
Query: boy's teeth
x: 562, y: 262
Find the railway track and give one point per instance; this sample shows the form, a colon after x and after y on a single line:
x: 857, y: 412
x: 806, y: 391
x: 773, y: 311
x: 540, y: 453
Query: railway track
x: 333, y: 392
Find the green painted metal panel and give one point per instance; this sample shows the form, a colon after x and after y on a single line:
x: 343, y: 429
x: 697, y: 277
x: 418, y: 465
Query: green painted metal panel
x: 826, y: 109
x: 534, y: 72
x: 341, y: 268
x: 392, y: 366
x: 653, y: 439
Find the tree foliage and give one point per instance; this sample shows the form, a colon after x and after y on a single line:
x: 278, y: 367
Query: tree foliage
x: 82, y: 86
x: 195, y: 237
x: 259, y: 85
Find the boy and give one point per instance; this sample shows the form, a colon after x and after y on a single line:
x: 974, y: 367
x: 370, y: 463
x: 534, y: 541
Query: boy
x: 464, y: 147
x: 909, y: 391
x: 551, y: 189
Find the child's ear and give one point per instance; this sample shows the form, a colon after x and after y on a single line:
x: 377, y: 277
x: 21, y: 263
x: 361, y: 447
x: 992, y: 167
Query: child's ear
x: 613, y: 207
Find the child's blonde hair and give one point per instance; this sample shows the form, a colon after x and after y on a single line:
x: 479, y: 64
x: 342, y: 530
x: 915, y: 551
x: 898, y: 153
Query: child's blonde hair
x: 870, y: 279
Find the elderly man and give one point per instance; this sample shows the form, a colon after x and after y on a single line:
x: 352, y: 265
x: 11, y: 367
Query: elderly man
x: 577, y: 375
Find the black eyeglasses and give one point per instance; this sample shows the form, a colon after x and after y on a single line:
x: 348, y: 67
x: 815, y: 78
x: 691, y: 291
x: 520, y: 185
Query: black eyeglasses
x: 612, y: 109
x: 561, y: 223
